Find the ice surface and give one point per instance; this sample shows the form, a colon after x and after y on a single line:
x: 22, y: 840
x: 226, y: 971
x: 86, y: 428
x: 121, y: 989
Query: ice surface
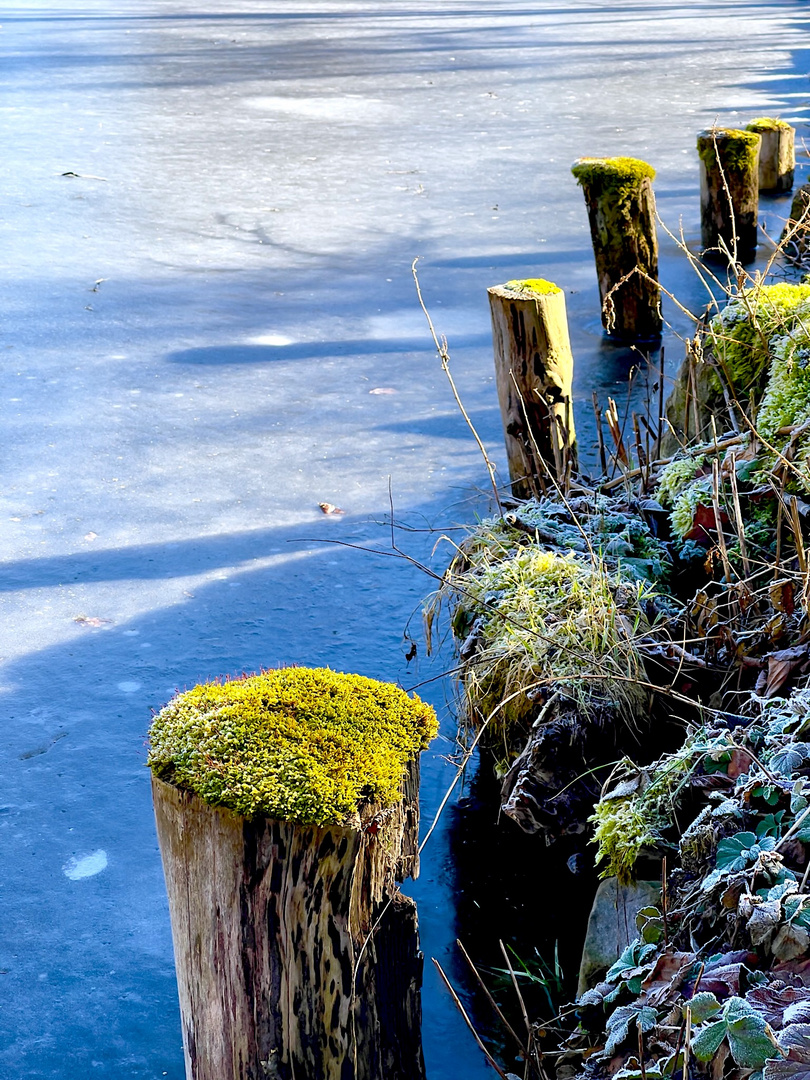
x: 209, y: 217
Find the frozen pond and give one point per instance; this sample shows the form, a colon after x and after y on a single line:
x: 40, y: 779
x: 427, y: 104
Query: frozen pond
x: 209, y: 327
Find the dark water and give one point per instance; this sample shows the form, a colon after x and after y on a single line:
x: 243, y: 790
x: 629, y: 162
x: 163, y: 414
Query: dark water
x: 208, y: 327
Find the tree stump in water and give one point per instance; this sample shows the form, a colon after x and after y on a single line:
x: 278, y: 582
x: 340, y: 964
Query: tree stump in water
x: 621, y: 212
x: 777, y: 155
x: 296, y: 955
x: 534, y: 371
x: 729, y: 192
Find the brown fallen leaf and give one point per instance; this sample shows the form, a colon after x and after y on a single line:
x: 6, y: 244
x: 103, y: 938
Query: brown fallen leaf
x: 91, y: 620
x: 330, y: 508
x: 781, y: 666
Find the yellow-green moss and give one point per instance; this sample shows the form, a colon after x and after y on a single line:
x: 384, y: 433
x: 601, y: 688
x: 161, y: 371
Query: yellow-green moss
x: 534, y: 285
x: 741, y: 334
x: 767, y: 123
x: 738, y: 149
x: 621, y: 176
x: 300, y: 744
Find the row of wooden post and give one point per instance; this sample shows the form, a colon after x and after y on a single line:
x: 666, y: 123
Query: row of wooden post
x: 533, y: 361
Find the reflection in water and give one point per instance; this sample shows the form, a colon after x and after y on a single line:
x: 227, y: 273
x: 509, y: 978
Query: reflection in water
x: 512, y: 887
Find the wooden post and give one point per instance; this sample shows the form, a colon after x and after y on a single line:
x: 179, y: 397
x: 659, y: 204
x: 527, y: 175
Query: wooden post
x: 777, y: 155
x: 534, y: 371
x: 729, y: 192
x: 296, y: 954
x: 798, y: 237
x: 621, y: 211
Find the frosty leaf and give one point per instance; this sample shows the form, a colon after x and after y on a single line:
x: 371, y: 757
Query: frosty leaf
x: 631, y: 961
x: 775, y: 1002
x: 777, y: 1069
x: 799, y: 1013
x: 764, y: 920
x: 703, y: 1006
x: 618, y: 1025
x: 770, y: 825
x: 790, y: 758
x: 791, y: 941
x: 650, y: 925
x: 736, y: 852
x: 795, y: 1042
x: 707, y: 1041
x: 750, y: 1043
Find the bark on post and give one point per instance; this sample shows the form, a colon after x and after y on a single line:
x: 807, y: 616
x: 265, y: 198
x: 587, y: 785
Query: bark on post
x: 296, y: 954
x: 777, y: 155
x: 729, y: 192
x: 534, y: 371
x: 621, y: 211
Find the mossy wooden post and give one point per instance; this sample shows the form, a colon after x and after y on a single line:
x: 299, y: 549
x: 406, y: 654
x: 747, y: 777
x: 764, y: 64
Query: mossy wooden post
x: 296, y: 955
x: 777, y: 155
x: 729, y: 192
x: 797, y: 228
x: 534, y: 371
x: 621, y: 211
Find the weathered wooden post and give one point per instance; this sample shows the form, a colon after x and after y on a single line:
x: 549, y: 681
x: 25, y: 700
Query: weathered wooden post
x: 534, y: 372
x: 729, y: 191
x: 287, y: 808
x: 621, y: 212
x: 797, y: 228
x: 777, y: 155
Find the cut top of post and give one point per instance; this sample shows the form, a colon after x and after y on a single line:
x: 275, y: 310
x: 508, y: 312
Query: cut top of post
x: 739, y: 150
x: 621, y: 176
x: 767, y: 123
x: 536, y: 286
x: 308, y: 745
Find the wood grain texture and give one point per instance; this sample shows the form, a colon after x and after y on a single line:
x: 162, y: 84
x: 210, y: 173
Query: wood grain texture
x: 777, y: 160
x: 534, y: 371
x: 296, y: 956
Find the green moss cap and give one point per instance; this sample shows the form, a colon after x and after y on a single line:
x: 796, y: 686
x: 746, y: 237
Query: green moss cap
x: 300, y: 744
x: 767, y: 123
x: 612, y: 171
x: 536, y: 285
x: 738, y: 149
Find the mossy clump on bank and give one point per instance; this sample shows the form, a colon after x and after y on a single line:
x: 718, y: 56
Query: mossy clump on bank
x: 621, y: 176
x: 767, y: 123
x: 539, y: 286
x: 738, y: 150
x: 309, y: 745
x: 547, y: 620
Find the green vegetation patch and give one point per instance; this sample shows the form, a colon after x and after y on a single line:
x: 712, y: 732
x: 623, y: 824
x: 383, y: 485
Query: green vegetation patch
x: 767, y: 123
x: 534, y: 285
x: 300, y: 744
x: 738, y: 149
x: 619, y: 176
x: 546, y: 619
